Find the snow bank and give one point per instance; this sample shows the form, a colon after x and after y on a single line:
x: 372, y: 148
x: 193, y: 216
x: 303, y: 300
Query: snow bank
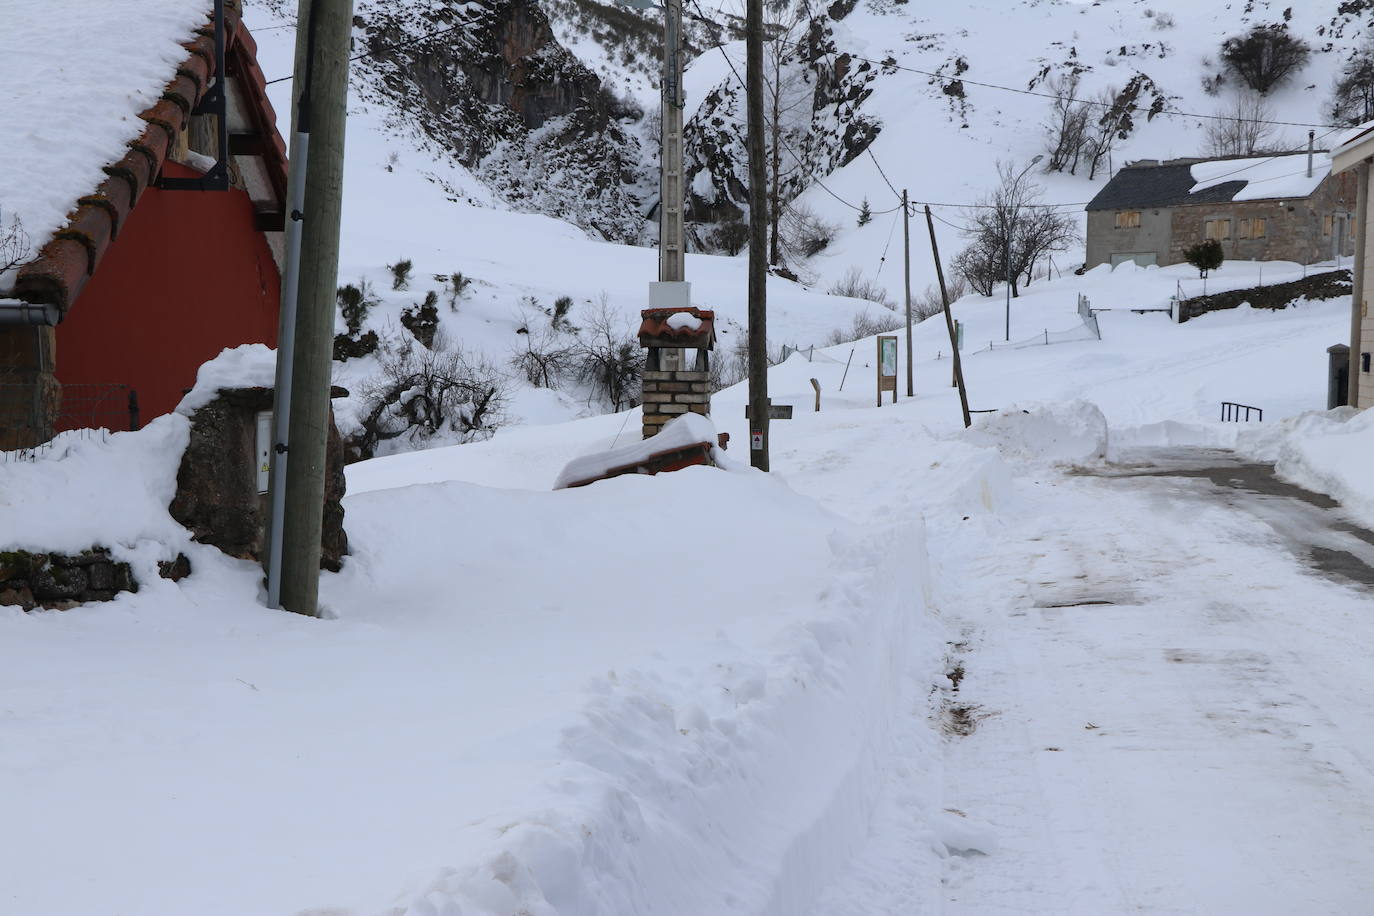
x: 244, y: 366
x: 1057, y: 433
x: 743, y: 786
x: 1325, y: 451
x: 687, y: 430
x: 110, y: 490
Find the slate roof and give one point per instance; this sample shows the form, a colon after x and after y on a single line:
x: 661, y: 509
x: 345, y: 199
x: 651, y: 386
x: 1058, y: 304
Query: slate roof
x: 64, y: 265
x: 1155, y: 186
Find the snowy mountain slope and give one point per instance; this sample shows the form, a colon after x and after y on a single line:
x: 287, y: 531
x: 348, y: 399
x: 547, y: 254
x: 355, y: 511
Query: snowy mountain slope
x: 404, y: 199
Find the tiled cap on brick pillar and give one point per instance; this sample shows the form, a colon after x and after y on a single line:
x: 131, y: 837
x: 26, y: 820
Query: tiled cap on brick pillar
x: 670, y: 387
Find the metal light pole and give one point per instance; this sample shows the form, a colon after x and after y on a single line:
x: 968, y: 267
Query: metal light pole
x: 1011, y: 224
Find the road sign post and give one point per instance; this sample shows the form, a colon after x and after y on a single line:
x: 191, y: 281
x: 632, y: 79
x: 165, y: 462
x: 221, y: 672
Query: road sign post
x: 887, y: 367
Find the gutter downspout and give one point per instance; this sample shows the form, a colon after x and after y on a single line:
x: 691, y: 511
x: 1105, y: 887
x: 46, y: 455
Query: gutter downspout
x: 17, y: 312
x: 1357, y: 283
x: 1311, y: 138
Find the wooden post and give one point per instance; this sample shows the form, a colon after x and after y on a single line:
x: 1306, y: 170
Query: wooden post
x: 906, y: 278
x: 330, y: 23
x: 949, y: 321
x: 758, y: 238
x: 817, y: 385
x: 1359, y: 278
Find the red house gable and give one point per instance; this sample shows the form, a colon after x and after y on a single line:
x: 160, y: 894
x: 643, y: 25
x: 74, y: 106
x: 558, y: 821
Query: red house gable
x: 148, y: 282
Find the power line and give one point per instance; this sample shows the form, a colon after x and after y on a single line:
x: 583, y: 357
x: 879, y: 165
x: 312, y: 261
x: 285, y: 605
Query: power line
x: 376, y: 51
x: 891, y: 230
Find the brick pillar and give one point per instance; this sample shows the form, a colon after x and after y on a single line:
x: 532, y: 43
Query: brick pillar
x: 671, y: 394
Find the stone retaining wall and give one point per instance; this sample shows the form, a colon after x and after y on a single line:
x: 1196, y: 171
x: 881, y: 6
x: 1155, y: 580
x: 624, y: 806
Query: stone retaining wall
x: 60, y: 581
x: 1327, y: 285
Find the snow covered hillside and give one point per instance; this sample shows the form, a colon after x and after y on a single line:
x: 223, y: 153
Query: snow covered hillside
x: 410, y: 197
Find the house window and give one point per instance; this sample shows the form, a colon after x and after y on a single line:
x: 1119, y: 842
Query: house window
x: 1258, y: 227
x: 1326, y: 224
x: 1128, y: 219
x: 1218, y: 229
x: 1243, y: 229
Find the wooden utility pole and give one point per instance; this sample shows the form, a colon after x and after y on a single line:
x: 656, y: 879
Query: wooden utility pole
x: 758, y: 238
x: 906, y: 279
x: 328, y: 27
x: 949, y: 322
x: 1358, y: 281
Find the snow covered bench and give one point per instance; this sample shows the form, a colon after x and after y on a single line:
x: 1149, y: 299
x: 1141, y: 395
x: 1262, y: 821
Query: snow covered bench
x: 683, y: 442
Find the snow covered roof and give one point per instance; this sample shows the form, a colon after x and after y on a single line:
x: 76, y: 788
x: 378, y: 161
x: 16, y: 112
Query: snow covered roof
x: 96, y: 96
x: 678, y: 327
x: 1201, y: 181
x: 1349, y: 148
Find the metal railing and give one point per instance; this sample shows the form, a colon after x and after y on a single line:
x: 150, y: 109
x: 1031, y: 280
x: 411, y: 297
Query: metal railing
x: 32, y: 413
x: 1231, y: 412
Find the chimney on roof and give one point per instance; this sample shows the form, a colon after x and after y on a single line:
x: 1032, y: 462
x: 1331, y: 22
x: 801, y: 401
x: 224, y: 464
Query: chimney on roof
x: 1310, y: 135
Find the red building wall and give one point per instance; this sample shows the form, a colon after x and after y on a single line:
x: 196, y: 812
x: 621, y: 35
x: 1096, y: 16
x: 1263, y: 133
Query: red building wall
x: 188, y: 275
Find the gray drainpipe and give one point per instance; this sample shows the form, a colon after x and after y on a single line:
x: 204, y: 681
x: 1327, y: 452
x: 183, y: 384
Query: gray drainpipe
x: 15, y: 311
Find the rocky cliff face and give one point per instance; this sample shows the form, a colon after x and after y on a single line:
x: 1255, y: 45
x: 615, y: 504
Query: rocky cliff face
x: 497, y: 92
x: 821, y: 128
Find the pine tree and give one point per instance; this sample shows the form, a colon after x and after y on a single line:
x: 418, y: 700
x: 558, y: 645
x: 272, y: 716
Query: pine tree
x: 865, y: 214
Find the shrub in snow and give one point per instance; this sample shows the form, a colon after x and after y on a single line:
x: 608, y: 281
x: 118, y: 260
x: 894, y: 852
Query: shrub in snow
x: 865, y: 214
x: 608, y: 359
x: 347, y: 347
x: 1266, y: 56
x: 355, y: 301
x: 803, y: 233
x: 1206, y: 256
x: 548, y: 357
x: 422, y: 319
x: 866, y: 324
x: 400, y: 274
x: 422, y: 395
x: 731, y: 236
x: 856, y: 286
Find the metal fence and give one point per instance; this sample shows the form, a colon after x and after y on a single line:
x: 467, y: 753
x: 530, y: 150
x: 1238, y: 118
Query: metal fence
x: 33, y: 413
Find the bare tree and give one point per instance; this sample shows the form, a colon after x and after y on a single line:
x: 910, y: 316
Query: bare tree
x: 857, y: 286
x: 1352, y: 96
x: 1116, y: 118
x: 14, y: 245
x: 1009, y: 231
x: 1243, y: 130
x: 787, y: 100
x: 1067, y: 126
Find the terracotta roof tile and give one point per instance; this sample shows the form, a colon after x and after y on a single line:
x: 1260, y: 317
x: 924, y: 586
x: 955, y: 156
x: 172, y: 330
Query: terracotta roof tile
x: 655, y: 330
x: 62, y: 268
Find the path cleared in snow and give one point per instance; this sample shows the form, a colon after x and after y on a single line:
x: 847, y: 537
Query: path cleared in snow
x: 1166, y: 703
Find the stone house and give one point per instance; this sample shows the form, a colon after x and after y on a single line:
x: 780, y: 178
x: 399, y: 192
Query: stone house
x: 168, y: 259
x: 1351, y: 158
x: 1274, y: 208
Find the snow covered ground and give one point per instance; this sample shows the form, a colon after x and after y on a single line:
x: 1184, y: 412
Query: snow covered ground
x: 719, y: 692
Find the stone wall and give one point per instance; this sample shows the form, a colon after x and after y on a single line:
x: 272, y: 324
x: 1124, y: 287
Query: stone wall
x: 1294, y: 229
x: 1327, y: 285
x: 217, y: 497
x: 668, y: 394
x: 59, y: 581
